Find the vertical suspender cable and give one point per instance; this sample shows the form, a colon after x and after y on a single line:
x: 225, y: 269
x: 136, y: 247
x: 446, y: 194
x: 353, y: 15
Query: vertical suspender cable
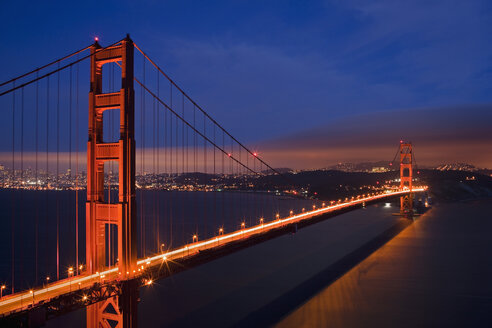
x: 205, y: 175
x: 46, y: 250
x: 253, y: 190
x: 77, y: 168
x: 195, y: 171
x: 37, y: 181
x: 233, y: 195
x: 70, y: 142
x: 253, y: 193
x: 21, y: 213
x: 246, y: 196
x: 13, y: 190
x: 57, y: 173
x: 241, y: 186
x: 177, y: 199
x: 182, y: 166
x: 187, y: 169
x: 262, y: 194
x: 239, y: 180
x: 166, y: 196
x: 154, y: 191
x: 171, y: 162
x: 176, y: 157
x: 158, y: 162
x: 246, y: 187
x: 143, y: 165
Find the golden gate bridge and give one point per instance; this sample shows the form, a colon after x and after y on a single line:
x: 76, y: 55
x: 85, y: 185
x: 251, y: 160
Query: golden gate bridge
x: 127, y: 245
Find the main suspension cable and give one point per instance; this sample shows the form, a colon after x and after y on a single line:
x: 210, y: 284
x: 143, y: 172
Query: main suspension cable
x: 44, y: 66
x: 58, y: 69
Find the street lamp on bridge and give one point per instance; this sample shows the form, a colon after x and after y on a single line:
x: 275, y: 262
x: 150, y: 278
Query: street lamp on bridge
x: 70, y: 275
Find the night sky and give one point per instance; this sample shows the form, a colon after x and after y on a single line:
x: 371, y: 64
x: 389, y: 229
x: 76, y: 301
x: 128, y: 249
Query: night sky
x: 306, y: 83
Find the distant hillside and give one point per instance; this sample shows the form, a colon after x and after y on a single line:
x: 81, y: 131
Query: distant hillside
x: 278, y: 169
x: 359, y: 167
x: 330, y: 184
x: 457, y: 185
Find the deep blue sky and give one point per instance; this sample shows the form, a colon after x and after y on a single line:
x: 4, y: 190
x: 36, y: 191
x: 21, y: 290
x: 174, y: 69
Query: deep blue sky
x: 282, y: 67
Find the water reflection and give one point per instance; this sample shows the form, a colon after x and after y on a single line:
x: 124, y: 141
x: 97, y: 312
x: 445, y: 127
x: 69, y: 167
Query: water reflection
x: 434, y: 273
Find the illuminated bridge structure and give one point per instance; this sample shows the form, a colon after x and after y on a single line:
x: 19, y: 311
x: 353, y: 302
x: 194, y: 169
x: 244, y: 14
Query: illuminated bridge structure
x: 120, y: 256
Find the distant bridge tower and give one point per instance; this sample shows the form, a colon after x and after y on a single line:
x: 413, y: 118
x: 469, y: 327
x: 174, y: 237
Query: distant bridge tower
x: 100, y: 214
x: 406, y: 173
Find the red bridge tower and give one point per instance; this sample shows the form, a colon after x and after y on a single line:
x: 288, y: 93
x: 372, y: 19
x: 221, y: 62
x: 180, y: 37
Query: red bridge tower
x: 100, y: 214
x: 406, y: 173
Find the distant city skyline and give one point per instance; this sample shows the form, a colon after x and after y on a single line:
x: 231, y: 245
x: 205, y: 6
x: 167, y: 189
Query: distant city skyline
x: 311, y: 158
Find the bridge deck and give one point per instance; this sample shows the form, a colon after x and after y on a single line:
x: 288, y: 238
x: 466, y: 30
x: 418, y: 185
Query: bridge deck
x: 26, y: 299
